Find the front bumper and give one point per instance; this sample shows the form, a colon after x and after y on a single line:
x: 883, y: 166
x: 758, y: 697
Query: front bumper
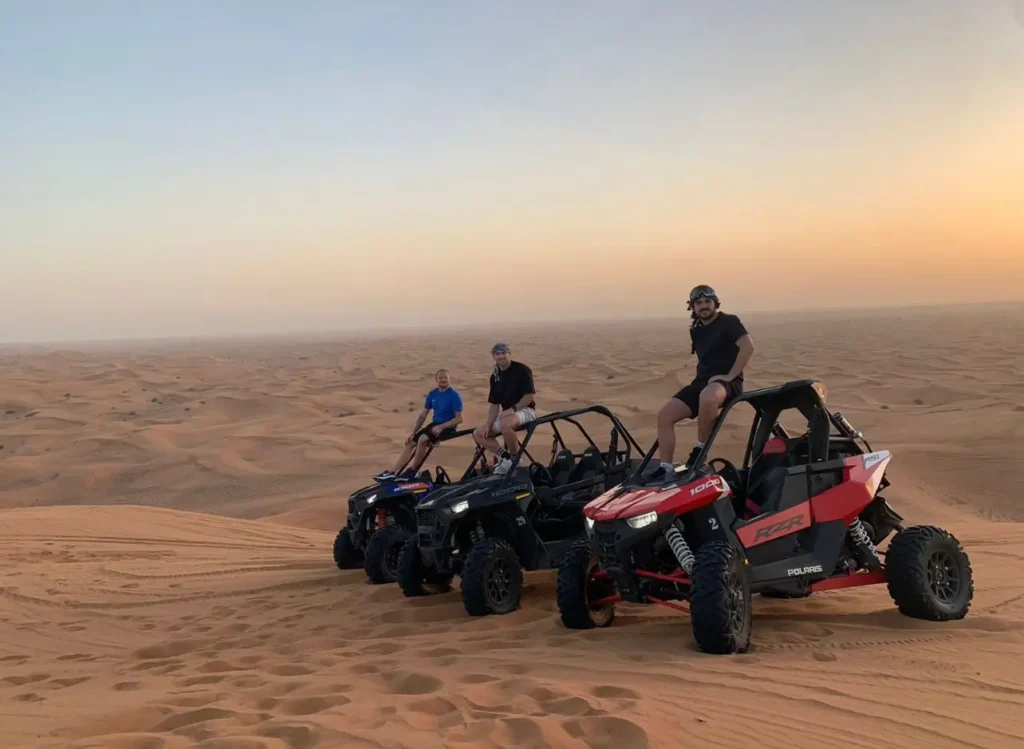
x: 432, y: 534
x: 621, y: 549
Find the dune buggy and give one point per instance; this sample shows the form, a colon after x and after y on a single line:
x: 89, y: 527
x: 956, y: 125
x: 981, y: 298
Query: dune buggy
x: 381, y: 517
x: 802, y: 514
x: 488, y: 530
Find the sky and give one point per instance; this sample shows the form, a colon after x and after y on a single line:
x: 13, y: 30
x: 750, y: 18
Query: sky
x: 216, y: 168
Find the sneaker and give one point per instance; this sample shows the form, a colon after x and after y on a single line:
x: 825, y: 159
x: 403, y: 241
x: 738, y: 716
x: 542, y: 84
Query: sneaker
x: 384, y: 476
x: 502, y: 468
x: 693, y: 456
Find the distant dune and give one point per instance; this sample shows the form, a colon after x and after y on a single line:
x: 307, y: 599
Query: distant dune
x: 169, y: 509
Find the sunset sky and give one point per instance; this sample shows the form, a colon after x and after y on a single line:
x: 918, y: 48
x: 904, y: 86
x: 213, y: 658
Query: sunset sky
x: 241, y: 167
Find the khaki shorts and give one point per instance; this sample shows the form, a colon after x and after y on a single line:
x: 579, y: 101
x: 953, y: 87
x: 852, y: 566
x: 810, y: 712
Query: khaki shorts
x: 523, y: 416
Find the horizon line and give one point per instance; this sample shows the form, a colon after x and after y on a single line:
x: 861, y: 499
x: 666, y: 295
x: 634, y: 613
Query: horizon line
x: 385, y: 332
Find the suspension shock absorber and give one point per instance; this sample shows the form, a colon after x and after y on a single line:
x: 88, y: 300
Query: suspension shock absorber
x: 681, y: 549
x: 864, y: 548
x: 478, y: 534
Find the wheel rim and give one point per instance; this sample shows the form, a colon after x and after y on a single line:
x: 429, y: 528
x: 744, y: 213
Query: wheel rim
x: 499, y: 576
x: 391, y: 557
x: 737, y: 609
x: 943, y: 576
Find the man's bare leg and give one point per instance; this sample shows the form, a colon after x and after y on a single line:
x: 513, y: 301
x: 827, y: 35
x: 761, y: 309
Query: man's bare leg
x: 403, y: 459
x: 672, y: 412
x: 711, y: 399
x: 422, y: 448
x: 488, y: 443
x: 508, y: 424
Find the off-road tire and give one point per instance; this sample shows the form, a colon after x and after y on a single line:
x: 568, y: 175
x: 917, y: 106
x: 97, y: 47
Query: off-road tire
x: 346, y: 555
x: 382, y: 553
x: 492, y: 578
x: 720, y: 605
x: 413, y: 579
x: 928, y: 574
x: 575, y: 586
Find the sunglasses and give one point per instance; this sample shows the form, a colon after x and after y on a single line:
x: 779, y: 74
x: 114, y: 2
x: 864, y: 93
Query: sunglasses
x: 701, y: 291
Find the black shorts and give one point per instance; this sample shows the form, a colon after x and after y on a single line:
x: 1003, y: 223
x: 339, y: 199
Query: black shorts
x: 690, y: 395
x: 448, y: 432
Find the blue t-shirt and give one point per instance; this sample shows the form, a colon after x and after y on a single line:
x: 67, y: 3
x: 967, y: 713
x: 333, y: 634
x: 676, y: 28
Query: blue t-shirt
x: 444, y: 403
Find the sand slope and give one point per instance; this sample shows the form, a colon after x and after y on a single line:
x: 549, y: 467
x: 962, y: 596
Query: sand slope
x: 226, y: 626
x: 182, y: 628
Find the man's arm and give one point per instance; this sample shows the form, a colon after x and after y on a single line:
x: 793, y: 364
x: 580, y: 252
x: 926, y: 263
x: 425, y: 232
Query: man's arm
x: 420, y: 419
x: 438, y: 428
x: 745, y: 344
x: 529, y: 387
x: 525, y: 400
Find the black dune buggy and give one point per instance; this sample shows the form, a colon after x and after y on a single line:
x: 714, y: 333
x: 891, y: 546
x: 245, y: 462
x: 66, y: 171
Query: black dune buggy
x: 488, y: 530
x: 382, y: 516
x: 801, y: 514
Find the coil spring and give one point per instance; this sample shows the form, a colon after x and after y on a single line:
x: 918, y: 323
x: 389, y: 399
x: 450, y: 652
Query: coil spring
x: 862, y: 542
x: 478, y: 534
x: 679, y: 547
x: 860, y: 536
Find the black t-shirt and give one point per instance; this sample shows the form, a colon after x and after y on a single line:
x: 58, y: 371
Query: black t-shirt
x: 715, y: 346
x: 512, y: 385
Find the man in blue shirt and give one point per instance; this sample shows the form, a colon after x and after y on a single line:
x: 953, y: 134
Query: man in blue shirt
x: 446, y: 403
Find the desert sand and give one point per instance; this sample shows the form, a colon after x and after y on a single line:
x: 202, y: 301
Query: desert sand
x: 169, y: 509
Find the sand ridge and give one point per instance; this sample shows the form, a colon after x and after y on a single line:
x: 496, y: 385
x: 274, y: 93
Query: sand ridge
x: 167, y: 579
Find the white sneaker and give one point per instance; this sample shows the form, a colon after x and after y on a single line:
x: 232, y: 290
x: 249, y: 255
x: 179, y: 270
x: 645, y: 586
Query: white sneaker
x: 502, y: 468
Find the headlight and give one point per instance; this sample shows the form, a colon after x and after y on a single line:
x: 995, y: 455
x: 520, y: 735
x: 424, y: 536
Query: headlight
x: 642, y: 521
x: 371, y: 499
x: 459, y: 507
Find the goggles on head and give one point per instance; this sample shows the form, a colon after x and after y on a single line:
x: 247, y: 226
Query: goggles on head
x: 701, y: 291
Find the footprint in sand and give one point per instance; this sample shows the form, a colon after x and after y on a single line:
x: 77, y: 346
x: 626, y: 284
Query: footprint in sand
x: 433, y: 706
x: 195, y: 700
x: 18, y: 681
x: 606, y: 691
x: 312, y: 705
x: 477, y: 679
x: 177, y: 721
x: 77, y: 657
x: 607, y: 733
x: 217, y: 666
x: 231, y: 742
x: 252, y: 681
x: 517, y: 732
x: 127, y: 686
x: 170, y: 649
x: 364, y: 669
x: 412, y: 683
x: 289, y: 669
x: 296, y: 737
x: 195, y: 681
x: 65, y: 683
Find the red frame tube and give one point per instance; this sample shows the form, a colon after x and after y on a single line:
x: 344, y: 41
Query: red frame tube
x: 852, y: 580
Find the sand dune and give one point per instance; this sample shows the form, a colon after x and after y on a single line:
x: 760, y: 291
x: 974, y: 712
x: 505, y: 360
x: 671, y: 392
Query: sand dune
x: 167, y: 579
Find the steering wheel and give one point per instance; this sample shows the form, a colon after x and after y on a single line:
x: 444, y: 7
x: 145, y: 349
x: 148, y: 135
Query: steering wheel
x: 728, y: 472
x: 541, y: 472
x: 442, y: 476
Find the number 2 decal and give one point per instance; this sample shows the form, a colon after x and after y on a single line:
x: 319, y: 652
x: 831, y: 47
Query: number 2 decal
x: 714, y: 523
